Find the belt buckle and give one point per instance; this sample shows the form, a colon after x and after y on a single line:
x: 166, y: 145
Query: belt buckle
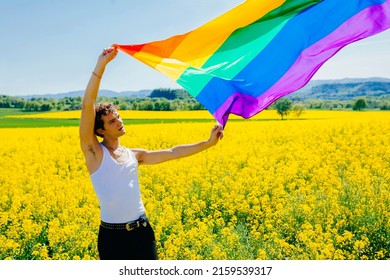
x: 131, y: 226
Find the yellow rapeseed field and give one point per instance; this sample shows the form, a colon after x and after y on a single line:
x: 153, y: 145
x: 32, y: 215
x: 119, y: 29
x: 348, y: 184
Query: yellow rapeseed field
x: 311, y: 188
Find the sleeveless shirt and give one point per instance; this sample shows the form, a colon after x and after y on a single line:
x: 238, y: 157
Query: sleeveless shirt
x: 117, y: 188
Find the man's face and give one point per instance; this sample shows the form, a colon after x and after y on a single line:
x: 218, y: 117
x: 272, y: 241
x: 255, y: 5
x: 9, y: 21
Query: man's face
x: 113, y: 125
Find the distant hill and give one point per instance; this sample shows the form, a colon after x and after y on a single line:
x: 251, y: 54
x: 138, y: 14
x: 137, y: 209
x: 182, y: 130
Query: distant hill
x: 103, y: 92
x: 344, y: 89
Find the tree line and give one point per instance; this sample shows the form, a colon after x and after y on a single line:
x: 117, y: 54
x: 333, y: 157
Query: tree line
x: 177, y: 100
x: 158, y: 100
x: 284, y: 107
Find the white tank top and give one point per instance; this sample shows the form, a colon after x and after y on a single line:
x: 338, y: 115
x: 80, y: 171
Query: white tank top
x: 117, y: 188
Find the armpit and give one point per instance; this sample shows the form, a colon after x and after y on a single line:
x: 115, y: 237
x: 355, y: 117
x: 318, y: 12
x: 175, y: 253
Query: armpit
x: 91, y: 150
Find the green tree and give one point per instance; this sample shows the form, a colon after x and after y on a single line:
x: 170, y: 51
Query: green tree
x: 298, y: 109
x: 46, y: 107
x: 283, y: 106
x: 146, y: 105
x: 31, y: 106
x: 359, y: 104
x: 162, y: 104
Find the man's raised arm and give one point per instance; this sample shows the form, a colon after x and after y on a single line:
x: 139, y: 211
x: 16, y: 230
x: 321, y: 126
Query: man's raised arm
x: 88, y: 140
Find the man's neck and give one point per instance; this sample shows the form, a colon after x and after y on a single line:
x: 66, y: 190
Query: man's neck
x: 111, y: 144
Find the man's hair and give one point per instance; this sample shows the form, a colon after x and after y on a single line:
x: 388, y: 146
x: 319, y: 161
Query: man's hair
x: 102, y: 109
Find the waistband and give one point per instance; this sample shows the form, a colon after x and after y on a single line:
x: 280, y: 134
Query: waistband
x: 129, y: 226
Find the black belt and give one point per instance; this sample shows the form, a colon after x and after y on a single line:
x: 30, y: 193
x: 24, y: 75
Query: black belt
x: 141, y: 221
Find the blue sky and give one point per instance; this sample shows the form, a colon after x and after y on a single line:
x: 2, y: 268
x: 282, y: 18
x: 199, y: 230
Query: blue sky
x: 52, y: 46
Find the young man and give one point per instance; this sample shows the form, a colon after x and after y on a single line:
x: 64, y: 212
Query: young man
x: 124, y: 232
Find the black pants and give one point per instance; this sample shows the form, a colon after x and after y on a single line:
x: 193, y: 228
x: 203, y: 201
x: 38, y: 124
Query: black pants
x: 120, y: 244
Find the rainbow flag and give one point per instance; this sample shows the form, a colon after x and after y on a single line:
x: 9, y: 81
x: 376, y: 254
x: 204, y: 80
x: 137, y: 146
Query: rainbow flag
x: 261, y: 50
